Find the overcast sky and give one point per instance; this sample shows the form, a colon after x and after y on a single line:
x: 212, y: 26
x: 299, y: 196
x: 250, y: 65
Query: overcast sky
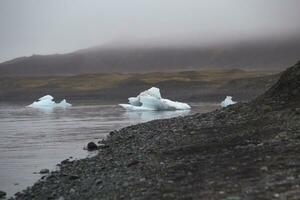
x: 57, y: 26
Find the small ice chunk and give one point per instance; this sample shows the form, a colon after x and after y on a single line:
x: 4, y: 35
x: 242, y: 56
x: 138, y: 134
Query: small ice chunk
x: 151, y: 100
x: 227, y: 102
x: 47, y: 97
x: 48, y: 102
x: 63, y: 104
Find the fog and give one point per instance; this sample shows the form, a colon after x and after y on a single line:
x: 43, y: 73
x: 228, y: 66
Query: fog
x: 57, y: 26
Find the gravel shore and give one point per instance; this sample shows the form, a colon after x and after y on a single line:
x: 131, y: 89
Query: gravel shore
x: 246, y: 151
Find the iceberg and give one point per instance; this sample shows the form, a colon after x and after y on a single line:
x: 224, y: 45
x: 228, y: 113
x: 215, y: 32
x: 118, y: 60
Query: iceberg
x: 227, y: 102
x: 151, y: 100
x: 48, y: 102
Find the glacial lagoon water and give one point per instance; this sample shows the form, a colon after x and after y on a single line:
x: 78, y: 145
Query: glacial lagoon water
x: 33, y: 139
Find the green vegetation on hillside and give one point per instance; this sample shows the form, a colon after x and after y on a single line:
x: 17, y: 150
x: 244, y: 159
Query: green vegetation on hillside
x: 189, y: 85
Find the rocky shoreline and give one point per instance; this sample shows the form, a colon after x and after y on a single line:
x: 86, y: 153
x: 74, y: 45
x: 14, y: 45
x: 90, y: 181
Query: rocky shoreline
x: 246, y: 151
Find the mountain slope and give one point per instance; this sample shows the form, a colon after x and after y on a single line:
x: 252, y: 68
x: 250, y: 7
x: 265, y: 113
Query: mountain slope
x: 259, y: 54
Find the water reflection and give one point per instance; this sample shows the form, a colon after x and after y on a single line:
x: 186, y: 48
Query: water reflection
x: 144, y: 116
x: 45, y: 110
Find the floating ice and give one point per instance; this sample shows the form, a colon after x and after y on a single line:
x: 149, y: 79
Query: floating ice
x: 152, y: 100
x: 228, y: 101
x: 47, y: 97
x: 48, y: 102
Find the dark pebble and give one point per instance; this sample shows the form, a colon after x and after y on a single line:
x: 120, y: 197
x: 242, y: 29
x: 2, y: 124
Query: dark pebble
x: 98, y: 182
x: 2, y: 194
x: 92, y: 146
x: 134, y: 162
x: 65, y: 161
x: 73, y: 177
x: 44, y: 171
x: 103, y: 146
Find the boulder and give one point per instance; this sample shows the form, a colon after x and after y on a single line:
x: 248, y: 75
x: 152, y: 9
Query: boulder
x: 91, y: 146
x: 2, y: 194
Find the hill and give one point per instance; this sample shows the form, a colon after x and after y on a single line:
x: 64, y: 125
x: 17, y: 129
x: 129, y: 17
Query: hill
x: 148, y: 58
x: 201, y: 85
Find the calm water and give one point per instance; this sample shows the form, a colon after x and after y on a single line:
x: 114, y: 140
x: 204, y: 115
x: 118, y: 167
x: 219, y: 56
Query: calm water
x: 32, y: 139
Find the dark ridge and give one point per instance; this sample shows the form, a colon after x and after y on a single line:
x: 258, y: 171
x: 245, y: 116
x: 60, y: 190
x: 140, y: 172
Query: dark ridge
x: 286, y: 90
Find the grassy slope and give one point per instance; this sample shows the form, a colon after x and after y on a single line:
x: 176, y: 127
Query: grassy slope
x: 104, y: 87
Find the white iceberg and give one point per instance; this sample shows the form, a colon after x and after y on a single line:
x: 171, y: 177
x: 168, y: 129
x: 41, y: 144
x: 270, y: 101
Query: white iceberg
x: 151, y: 100
x: 48, y: 102
x: 228, y: 101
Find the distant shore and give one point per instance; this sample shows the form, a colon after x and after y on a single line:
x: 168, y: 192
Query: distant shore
x: 186, y: 86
